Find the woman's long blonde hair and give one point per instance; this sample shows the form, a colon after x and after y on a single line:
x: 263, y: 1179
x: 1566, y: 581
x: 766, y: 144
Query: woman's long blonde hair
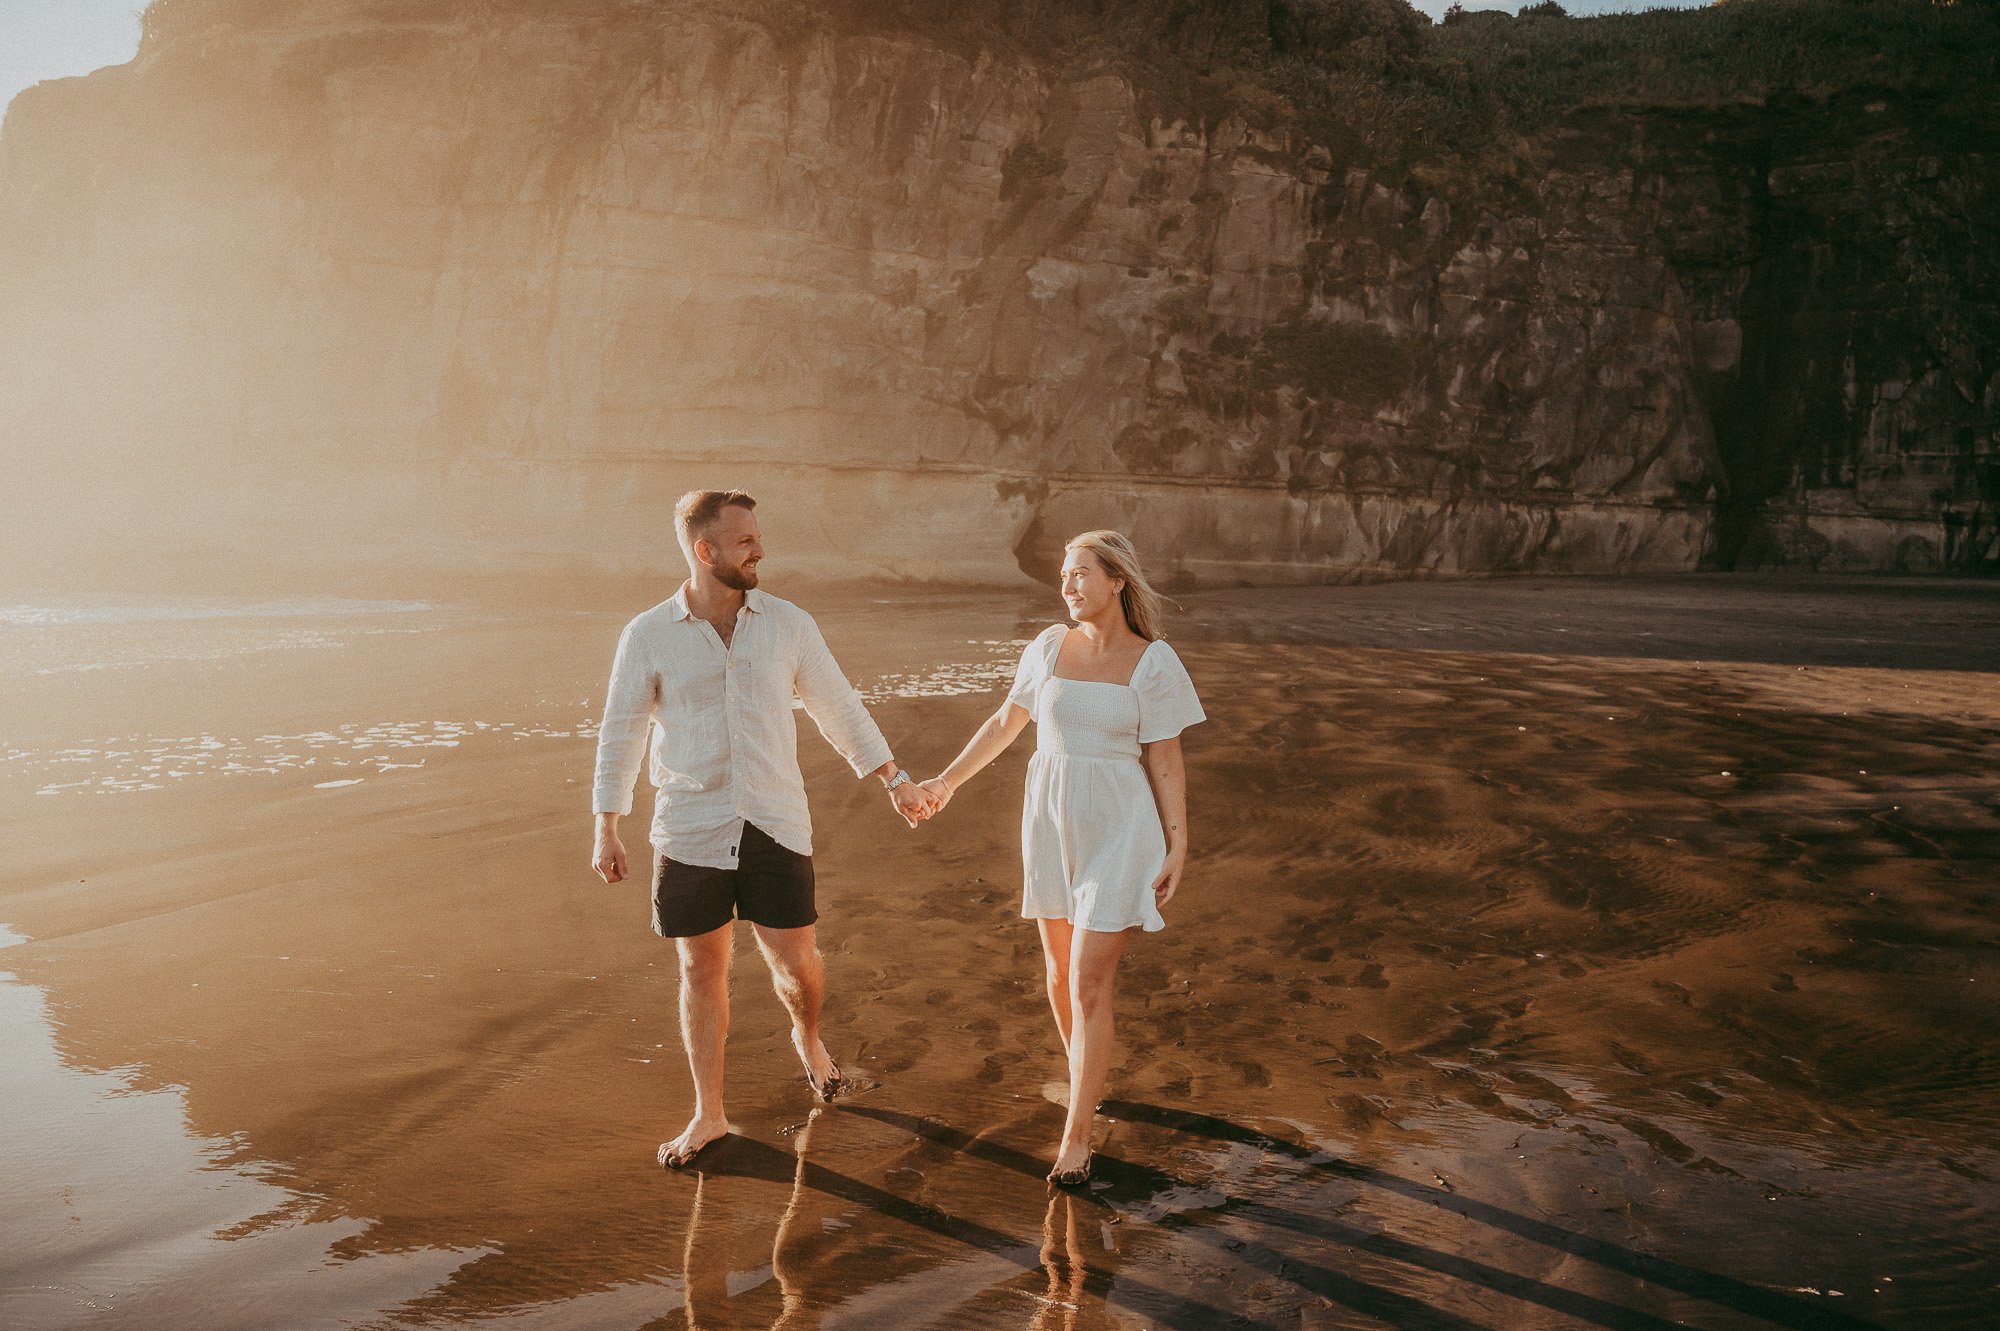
x: 1140, y: 602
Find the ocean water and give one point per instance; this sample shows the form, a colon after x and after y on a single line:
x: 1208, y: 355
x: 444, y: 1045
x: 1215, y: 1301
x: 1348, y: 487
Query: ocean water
x: 59, y: 614
x: 53, y: 637
x: 184, y: 644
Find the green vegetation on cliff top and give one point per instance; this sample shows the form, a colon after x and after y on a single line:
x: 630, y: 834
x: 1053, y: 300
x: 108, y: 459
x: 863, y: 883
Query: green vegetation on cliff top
x: 1379, y: 84
x: 1373, y: 80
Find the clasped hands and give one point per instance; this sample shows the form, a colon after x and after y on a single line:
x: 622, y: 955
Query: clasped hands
x: 918, y: 801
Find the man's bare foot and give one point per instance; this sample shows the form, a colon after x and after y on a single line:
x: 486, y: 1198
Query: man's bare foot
x: 822, y: 1074
x: 1072, y: 1167
x: 700, y: 1134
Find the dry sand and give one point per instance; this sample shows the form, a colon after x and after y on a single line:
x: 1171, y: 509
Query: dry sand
x: 1554, y: 952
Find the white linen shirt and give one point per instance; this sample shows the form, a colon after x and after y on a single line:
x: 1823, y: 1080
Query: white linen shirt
x: 724, y: 747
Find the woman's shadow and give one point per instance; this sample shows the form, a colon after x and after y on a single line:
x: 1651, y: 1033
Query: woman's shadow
x: 1124, y: 1191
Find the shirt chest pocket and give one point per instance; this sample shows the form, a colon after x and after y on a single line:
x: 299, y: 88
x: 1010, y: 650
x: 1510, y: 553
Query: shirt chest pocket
x: 761, y: 681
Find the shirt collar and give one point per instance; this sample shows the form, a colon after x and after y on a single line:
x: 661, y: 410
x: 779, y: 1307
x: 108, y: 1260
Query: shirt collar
x: 677, y: 604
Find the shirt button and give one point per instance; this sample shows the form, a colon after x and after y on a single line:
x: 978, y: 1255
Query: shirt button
x: 732, y: 850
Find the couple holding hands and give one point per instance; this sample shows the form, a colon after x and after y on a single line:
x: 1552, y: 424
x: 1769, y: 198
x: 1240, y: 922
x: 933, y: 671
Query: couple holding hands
x: 706, y: 681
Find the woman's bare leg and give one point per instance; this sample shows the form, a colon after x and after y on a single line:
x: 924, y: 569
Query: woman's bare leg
x: 1093, y: 972
x: 1056, y: 945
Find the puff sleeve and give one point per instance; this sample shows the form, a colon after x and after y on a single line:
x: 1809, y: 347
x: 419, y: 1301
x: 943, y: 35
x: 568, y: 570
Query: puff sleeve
x: 1167, y: 701
x: 1034, y: 668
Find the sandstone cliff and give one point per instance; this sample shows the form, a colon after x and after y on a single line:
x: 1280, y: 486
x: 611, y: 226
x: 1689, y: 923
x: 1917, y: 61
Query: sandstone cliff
x: 486, y: 284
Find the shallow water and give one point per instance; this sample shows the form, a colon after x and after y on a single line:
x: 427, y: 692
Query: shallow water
x: 1555, y: 952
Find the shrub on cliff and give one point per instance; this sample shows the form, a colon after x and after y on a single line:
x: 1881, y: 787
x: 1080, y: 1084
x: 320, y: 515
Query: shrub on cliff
x: 1378, y: 84
x: 1372, y: 80
x: 1742, y: 51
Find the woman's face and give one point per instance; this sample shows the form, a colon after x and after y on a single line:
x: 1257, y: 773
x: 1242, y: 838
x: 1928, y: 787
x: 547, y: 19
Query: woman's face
x: 1087, y: 589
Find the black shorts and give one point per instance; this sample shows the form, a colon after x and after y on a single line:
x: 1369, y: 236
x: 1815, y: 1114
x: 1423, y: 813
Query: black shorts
x: 770, y: 886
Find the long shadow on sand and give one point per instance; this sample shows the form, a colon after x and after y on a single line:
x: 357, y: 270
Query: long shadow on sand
x: 743, y: 1157
x: 1724, y: 1291
x: 1131, y: 1184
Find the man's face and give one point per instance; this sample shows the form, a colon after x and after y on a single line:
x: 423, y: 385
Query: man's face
x: 733, y: 548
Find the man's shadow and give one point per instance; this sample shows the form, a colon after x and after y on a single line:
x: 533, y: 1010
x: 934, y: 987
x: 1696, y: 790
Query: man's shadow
x: 1124, y: 1187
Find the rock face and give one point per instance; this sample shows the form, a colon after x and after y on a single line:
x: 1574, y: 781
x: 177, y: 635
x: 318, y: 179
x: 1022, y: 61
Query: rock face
x: 488, y: 288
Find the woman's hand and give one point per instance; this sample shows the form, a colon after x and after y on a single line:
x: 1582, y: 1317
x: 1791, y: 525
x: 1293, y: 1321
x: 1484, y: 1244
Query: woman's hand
x: 939, y: 792
x: 1170, y: 877
x: 912, y: 802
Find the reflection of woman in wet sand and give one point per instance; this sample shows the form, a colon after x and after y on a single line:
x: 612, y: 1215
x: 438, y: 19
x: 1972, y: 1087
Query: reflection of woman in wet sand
x: 1062, y: 1259
x: 1104, y: 827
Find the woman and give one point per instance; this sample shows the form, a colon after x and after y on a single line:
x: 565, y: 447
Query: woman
x: 1104, y: 828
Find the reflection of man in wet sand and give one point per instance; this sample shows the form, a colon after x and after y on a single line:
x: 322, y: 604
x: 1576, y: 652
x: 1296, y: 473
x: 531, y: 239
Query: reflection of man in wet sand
x: 722, y: 1236
x: 709, y: 675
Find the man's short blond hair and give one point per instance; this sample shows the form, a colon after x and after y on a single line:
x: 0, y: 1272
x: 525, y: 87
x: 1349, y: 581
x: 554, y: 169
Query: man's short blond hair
x: 695, y: 514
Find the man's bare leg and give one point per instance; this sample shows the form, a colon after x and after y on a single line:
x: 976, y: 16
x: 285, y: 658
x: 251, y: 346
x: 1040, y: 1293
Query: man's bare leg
x: 1056, y: 945
x: 704, y: 1030
x: 799, y: 976
x: 1093, y: 972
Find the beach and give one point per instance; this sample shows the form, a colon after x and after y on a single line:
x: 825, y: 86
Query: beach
x: 1553, y: 952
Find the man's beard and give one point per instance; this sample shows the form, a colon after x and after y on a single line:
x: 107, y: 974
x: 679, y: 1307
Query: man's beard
x: 739, y: 579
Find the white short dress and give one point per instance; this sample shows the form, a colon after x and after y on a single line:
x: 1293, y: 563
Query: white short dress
x: 1091, y: 841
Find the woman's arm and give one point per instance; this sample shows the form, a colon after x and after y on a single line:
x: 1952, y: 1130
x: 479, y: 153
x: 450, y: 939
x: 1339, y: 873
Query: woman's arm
x: 1168, y: 774
x: 988, y: 742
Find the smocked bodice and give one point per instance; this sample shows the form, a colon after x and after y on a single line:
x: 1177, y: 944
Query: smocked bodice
x: 1087, y: 719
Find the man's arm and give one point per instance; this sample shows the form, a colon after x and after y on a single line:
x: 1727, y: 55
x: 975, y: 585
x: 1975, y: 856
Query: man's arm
x: 841, y: 717
x: 607, y: 852
x: 629, y: 705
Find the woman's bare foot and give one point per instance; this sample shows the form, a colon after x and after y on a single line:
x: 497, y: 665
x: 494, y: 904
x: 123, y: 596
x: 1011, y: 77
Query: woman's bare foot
x: 700, y: 1134
x: 1072, y: 1166
x: 822, y: 1074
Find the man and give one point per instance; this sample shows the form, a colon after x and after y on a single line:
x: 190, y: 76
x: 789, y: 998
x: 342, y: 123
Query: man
x: 709, y: 676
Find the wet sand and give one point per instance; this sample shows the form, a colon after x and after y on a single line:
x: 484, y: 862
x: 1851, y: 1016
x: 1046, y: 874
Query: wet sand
x: 1554, y: 953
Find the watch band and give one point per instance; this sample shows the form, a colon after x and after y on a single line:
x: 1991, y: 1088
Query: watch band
x: 901, y: 778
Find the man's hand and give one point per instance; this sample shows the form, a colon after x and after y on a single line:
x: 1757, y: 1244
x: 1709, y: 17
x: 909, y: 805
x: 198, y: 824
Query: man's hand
x: 608, y: 858
x: 913, y: 802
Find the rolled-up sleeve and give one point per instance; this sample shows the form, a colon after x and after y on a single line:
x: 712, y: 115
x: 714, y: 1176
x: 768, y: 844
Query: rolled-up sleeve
x: 630, y: 704
x: 834, y: 705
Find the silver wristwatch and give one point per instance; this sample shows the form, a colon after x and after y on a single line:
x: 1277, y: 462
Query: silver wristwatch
x: 900, y: 779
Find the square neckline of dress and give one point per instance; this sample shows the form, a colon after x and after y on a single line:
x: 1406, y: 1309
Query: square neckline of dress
x: 1067, y: 680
